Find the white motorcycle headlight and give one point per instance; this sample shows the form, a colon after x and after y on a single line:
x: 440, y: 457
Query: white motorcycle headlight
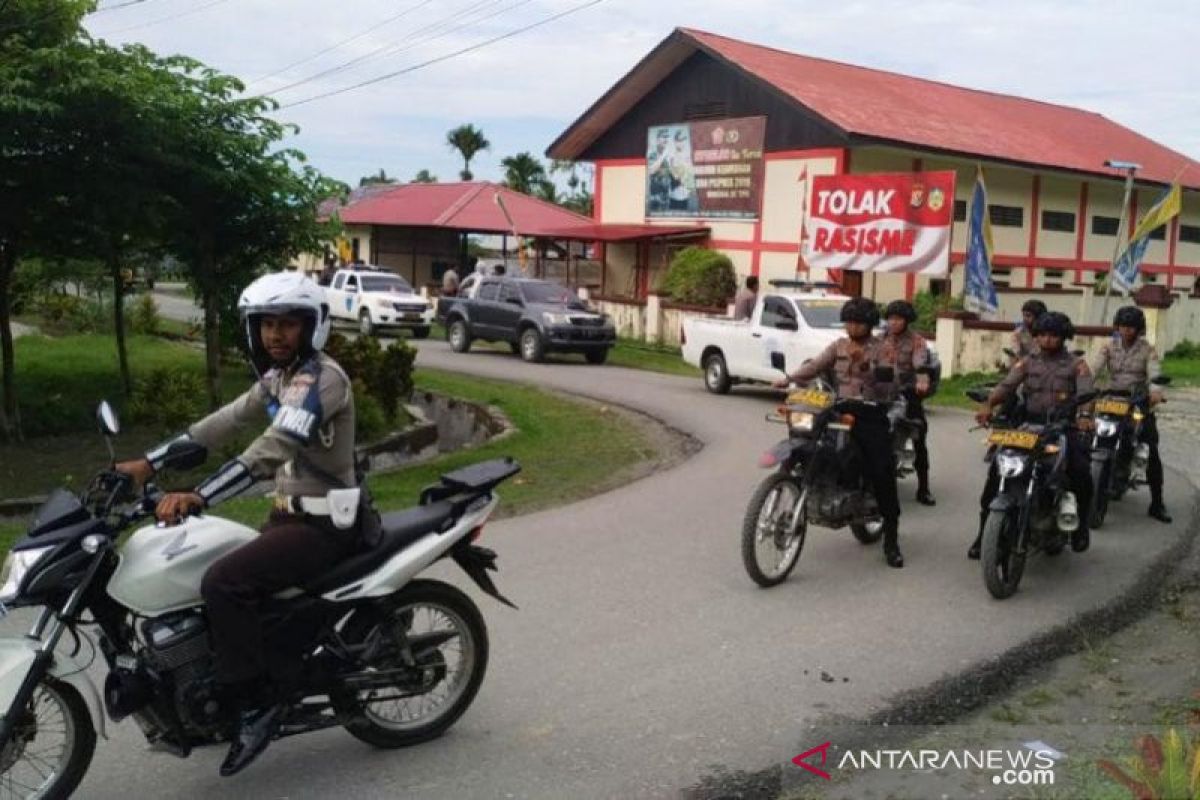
x: 800, y: 421
x: 551, y: 318
x: 1009, y: 466
x: 16, y: 567
x: 1106, y: 427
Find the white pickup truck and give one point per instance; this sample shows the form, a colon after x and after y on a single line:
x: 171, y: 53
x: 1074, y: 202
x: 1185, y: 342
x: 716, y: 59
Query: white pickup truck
x: 373, y: 298
x: 798, y: 324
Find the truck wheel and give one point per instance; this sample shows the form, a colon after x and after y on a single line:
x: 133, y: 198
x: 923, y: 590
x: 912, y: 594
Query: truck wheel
x: 533, y: 348
x: 365, y: 326
x: 459, y: 336
x: 716, y: 374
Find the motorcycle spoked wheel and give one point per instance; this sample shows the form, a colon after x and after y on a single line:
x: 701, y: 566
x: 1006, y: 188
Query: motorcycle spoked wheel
x: 1002, y: 565
x: 449, y: 674
x: 52, y: 745
x: 774, y: 529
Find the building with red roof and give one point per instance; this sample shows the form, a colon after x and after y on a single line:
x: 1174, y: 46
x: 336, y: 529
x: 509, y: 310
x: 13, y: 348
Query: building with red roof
x: 1053, y: 203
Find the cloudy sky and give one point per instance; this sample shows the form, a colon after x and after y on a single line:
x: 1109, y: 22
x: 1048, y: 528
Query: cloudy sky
x: 1121, y: 59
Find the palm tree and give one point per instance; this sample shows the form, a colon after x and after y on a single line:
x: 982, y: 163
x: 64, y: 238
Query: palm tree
x: 546, y: 190
x: 382, y: 177
x: 523, y: 173
x: 467, y: 140
x: 425, y: 176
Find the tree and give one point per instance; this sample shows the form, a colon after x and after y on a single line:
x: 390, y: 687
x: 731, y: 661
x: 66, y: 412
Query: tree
x: 546, y: 190
x: 424, y: 176
x: 523, y: 173
x: 467, y: 140
x: 371, y: 180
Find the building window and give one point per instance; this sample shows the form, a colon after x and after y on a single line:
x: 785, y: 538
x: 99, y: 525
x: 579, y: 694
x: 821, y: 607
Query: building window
x: 1105, y: 226
x: 1159, y: 233
x: 1058, y: 221
x: 1189, y: 233
x: 960, y: 210
x: 1149, y: 277
x: 1007, y: 216
x: 1001, y: 277
x: 1052, y: 279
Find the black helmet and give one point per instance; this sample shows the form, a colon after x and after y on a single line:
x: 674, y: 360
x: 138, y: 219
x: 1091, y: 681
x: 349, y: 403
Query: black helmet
x: 900, y: 308
x: 1054, y: 322
x: 860, y: 309
x: 1131, y: 316
x: 1035, y: 307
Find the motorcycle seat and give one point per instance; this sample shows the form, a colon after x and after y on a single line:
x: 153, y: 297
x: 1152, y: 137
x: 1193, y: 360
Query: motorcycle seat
x: 400, y: 529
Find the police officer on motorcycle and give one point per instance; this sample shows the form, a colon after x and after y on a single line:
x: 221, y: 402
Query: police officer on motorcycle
x: 1050, y: 377
x: 1024, y: 341
x: 1131, y: 363
x: 308, y: 449
x: 852, y: 361
x: 908, y: 353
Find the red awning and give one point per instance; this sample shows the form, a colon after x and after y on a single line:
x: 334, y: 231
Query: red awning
x: 624, y: 233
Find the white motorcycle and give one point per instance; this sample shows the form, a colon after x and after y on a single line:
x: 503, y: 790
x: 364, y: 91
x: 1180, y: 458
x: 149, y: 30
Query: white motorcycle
x: 351, y: 648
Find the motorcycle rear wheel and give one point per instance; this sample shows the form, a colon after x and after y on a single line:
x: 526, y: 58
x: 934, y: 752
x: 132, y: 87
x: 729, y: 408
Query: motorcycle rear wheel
x: 774, y: 529
x: 1002, y: 565
x: 448, y: 614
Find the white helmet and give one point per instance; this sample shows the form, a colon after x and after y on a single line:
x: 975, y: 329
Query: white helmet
x: 282, y: 293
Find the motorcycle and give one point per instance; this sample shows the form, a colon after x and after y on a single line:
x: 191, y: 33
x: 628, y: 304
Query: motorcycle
x: 1118, y: 457
x: 349, y: 648
x: 1033, y: 510
x: 815, y: 481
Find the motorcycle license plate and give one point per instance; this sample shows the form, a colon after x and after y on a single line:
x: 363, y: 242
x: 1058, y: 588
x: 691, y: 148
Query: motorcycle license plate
x: 1022, y: 440
x: 811, y: 397
x: 1115, y: 407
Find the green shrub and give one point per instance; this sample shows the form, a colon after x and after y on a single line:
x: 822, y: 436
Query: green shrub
x: 370, y: 423
x: 1185, y: 349
x: 385, y: 375
x: 73, y: 314
x: 700, y: 277
x: 143, y: 317
x: 928, y: 306
x: 169, y: 398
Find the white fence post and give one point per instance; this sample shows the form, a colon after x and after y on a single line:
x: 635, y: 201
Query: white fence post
x: 653, y: 318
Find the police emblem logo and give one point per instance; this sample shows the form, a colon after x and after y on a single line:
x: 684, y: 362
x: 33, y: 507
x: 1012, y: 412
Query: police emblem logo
x: 937, y: 199
x: 917, y: 198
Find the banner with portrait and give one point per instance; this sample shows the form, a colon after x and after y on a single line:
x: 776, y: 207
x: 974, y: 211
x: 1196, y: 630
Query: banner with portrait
x: 709, y: 168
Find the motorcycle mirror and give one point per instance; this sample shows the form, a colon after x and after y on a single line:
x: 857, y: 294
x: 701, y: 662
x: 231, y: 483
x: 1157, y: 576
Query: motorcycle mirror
x: 979, y: 395
x: 779, y: 362
x: 885, y: 374
x: 185, y: 455
x: 1162, y: 380
x: 106, y: 417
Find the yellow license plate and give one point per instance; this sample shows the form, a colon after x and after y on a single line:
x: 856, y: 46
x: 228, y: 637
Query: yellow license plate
x: 811, y: 397
x: 1023, y: 440
x: 1117, y: 407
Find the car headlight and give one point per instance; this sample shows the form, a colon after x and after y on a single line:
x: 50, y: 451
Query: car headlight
x: 1106, y: 427
x: 16, y: 567
x: 550, y: 318
x: 1010, y: 466
x: 800, y: 421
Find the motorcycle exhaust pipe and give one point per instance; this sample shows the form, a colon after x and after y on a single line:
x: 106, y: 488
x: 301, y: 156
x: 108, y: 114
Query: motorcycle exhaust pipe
x: 1068, y: 513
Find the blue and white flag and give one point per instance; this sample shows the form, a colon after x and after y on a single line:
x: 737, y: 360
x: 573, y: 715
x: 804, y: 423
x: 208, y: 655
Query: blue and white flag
x: 980, y: 292
x: 1125, y: 268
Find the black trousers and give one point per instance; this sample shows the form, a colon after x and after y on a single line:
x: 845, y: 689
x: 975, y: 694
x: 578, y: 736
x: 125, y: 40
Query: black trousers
x: 874, y: 440
x: 1079, y: 478
x: 916, y: 412
x: 1154, y: 468
x: 291, y: 549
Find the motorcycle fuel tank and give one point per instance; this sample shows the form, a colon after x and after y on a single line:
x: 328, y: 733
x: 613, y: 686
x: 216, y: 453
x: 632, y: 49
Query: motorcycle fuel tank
x: 161, y: 568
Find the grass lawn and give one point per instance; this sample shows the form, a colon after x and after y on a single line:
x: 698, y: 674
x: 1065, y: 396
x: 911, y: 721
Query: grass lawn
x: 1183, y: 371
x: 568, y: 449
x: 950, y: 392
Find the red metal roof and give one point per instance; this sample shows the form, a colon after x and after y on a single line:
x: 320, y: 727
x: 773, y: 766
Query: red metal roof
x: 626, y: 233
x: 461, y: 206
x: 894, y: 108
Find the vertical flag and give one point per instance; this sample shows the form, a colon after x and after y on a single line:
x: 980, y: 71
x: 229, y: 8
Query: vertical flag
x: 1125, y: 268
x: 980, y: 292
x: 801, y: 267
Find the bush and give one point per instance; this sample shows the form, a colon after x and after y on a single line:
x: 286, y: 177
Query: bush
x: 385, y: 375
x: 169, y: 398
x: 73, y: 314
x: 143, y: 317
x: 698, y: 276
x: 1185, y: 349
x: 928, y: 306
x: 370, y: 423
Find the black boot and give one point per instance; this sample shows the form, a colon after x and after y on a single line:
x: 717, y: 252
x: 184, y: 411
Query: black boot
x: 976, y: 547
x: 1159, y: 512
x: 924, y: 496
x: 891, y: 544
x: 256, y: 728
x: 1081, y: 539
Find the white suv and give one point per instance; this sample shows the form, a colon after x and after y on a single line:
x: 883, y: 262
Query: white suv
x: 374, y: 298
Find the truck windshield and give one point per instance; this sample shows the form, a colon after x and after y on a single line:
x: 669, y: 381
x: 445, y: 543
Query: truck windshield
x: 821, y: 313
x: 385, y: 283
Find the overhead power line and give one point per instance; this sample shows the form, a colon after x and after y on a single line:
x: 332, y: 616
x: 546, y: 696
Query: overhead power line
x: 447, y: 56
x: 446, y: 22
x: 342, y: 43
x: 170, y: 18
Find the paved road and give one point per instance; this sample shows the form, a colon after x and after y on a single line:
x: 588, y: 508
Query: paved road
x: 643, y: 656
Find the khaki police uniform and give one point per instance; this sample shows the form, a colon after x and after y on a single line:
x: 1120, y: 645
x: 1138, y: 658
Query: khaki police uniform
x: 1130, y: 369
x: 908, y: 353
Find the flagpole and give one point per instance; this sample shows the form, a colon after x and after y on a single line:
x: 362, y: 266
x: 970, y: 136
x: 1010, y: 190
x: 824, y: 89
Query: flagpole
x: 800, y: 265
x: 1122, y: 230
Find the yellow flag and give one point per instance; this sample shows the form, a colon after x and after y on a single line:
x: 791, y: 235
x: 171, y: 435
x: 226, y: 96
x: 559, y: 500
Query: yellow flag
x: 343, y: 250
x: 1159, y: 214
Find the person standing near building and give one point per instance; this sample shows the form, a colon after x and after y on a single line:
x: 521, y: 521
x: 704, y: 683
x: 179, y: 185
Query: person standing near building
x: 1131, y: 362
x: 747, y: 296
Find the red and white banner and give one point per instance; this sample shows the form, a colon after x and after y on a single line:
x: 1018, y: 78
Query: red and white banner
x: 893, y: 222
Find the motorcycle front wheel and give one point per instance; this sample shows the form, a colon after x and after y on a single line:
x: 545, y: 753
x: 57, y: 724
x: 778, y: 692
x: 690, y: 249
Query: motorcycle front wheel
x: 51, y: 746
x: 434, y: 634
x: 1099, y: 510
x: 1003, y: 566
x: 773, y: 529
